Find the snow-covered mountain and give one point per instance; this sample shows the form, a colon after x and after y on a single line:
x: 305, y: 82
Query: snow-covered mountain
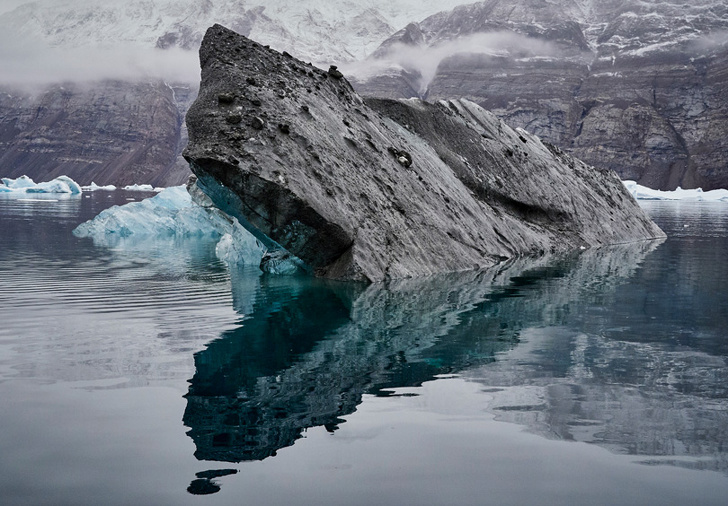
x: 120, y: 132
x: 322, y: 31
x: 633, y: 85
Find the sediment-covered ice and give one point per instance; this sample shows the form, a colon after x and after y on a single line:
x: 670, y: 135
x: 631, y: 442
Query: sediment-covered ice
x: 24, y: 184
x: 643, y: 193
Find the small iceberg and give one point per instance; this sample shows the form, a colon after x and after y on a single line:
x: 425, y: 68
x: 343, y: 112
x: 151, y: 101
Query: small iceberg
x: 697, y: 195
x: 24, y: 184
x: 172, y: 213
x: 94, y: 187
x: 142, y: 188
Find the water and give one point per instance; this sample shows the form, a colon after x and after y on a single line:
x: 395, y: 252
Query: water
x: 150, y: 374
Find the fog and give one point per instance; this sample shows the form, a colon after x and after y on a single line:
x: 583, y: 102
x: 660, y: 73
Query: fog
x: 711, y: 41
x: 35, y: 63
x: 8, y: 5
x: 424, y: 60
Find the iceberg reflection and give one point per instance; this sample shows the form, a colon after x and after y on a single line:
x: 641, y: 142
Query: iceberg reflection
x: 308, y: 349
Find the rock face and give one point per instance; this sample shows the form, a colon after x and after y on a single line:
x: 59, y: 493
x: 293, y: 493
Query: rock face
x: 127, y: 131
x: 385, y: 189
x: 634, y: 86
x: 111, y: 132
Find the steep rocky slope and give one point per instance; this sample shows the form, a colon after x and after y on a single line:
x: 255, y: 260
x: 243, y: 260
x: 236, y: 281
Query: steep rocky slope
x: 113, y: 131
x: 635, y: 86
x: 385, y: 189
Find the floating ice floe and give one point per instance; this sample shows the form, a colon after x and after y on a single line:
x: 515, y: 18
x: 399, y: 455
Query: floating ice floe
x: 24, y: 184
x: 172, y: 213
x: 94, y: 187
x: 142, y: 188
x: 643, y: 193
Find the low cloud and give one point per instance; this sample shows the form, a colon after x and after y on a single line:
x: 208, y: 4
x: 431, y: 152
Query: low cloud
x: 425, y: 60
x: 31, y: 63
x: 711, y: 41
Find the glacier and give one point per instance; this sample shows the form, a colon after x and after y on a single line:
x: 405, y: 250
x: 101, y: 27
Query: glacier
x: 643, y: 193
x: 175, y: 213
x: 25, y: 184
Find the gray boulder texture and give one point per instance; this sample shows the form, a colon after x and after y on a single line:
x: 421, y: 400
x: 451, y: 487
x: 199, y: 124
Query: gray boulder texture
x: 386, y: 189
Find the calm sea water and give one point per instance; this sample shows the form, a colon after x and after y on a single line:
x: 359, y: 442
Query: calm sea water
x: 148, y: 373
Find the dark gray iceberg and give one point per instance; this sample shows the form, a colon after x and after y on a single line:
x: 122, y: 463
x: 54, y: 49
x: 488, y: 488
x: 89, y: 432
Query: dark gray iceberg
x: 379, y: 189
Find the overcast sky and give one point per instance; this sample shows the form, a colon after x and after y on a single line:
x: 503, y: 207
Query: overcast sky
x: 8, y: 5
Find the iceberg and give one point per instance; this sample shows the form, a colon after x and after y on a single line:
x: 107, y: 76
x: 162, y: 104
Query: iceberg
x: 94, y: 187
x: 24, y: 184
x: 142, y: 188
x: 172, y: 213
x: 698, y: 195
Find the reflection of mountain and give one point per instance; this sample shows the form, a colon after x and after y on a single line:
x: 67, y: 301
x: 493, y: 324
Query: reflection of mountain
x: 309, y: 349
x: 668, y: 406
x: 644, y: 372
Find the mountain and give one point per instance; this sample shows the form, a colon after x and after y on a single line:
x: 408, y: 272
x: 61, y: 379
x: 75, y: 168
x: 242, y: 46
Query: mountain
x: 317, y: 30
x: 112, y: 132
x: 97, y: 89
x: 637, y: 86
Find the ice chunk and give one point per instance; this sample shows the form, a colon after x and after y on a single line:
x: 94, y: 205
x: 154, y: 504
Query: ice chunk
x: 142, y: 188
x: 239, y: 247
x: 16, y: 184
x: 172, y: 213
x: 175, y: 213
x: 24, y: 184
x: 281, y: 262
x: 643, y: 193
x: 169, y: 213
x: 94, y: 187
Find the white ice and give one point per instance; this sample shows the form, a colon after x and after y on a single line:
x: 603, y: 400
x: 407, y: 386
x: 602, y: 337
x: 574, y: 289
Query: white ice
x: 94, y: 187
x: 24, y: 184
x: 142, y: 188
x: 643, y: 193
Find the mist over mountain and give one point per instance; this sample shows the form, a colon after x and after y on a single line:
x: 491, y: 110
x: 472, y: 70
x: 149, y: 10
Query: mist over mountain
x: 635, y: 86
x: 71, y: 96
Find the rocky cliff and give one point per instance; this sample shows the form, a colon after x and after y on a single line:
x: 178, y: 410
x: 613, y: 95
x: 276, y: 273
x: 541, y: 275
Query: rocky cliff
x: 127, y: 131
x: 385, y: 189
x: 634, y: 86
x: 110, y: 132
